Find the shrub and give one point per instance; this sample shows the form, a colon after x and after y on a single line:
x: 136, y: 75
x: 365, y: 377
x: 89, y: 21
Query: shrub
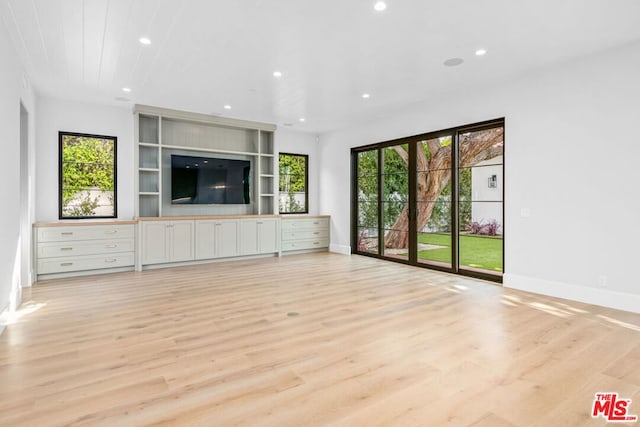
x: 491, y: 228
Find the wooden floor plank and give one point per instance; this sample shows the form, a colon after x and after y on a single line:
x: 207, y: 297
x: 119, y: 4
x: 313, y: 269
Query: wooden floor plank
x: 316, y: 339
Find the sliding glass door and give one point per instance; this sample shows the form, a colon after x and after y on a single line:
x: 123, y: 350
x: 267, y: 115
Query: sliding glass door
x: 480, y: 200
x: 367, y: 202
x: 434, y: 200
x: 395, y: 201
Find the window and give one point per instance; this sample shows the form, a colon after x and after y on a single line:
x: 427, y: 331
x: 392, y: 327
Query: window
x: 434, y: 200
x: 87, y: 176
x: 293, y: 188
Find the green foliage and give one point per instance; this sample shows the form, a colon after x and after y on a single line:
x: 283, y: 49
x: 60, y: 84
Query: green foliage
x: 396, y: 190
x: 292, y: 172
x: 87, y: 164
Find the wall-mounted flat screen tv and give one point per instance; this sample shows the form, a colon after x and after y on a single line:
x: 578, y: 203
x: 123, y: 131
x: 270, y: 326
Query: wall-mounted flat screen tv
x: 207, y: 181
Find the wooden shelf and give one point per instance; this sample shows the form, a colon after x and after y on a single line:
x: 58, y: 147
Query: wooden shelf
x: 211, y: 150
x: 162, y: 133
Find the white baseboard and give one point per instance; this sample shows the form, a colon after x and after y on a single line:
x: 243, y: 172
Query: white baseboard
x: 4, y: 317
x: 596, y: 296
x: 340, y: 249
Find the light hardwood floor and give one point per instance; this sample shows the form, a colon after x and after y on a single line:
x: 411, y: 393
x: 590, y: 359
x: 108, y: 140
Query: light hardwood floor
x: 373, y: 343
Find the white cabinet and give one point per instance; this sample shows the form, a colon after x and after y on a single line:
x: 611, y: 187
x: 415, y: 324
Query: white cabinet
x: 73, y: 249
x: 259, y: 236
x: 216, y: 238
x: 304, y: 233
x: 167, y: 241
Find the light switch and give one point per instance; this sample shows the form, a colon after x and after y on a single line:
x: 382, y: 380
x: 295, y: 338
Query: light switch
x: 525, y: 212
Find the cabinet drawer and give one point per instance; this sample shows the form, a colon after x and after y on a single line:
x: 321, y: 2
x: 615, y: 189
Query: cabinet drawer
x: 85, y: 262
x: 306, y: 223
x: 322, y: 233
x: 74, y: 248
x: 89, y: 232
x: 305, y: 244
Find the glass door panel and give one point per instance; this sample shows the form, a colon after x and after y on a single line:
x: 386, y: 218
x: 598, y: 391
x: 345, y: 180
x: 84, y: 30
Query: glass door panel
x: 480, y: 204
x: 433, y: 201
x: 367, y: 202
x: 395, y: 201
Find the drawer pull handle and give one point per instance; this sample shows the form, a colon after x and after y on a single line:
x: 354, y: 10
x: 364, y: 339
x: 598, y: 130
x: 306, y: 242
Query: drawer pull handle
x: 259, y: 222
x: 110, y: 260
x: 111, y: 232
x: 316, y: 243
x: 316, y: 232
x: 316, y: 223
x: 65, y: 264
x: 110, y: 246
x: 67, y: 233
x: 66, y: 249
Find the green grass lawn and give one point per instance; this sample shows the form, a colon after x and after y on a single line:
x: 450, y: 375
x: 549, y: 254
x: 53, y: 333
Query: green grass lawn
x: 475, y: 251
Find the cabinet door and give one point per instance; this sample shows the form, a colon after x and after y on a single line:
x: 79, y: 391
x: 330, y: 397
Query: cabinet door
x: 155, y: 242
x: 227, y: 238
x: 248, y: 237
x: 182, y: 245
x: 268, y: 235
x: 205, y: 239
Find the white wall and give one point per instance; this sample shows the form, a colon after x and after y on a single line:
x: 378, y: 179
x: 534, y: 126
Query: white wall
x: 56, y: 115
x: 576, y: 123
x: 15, y: 88
x: 289, y: 141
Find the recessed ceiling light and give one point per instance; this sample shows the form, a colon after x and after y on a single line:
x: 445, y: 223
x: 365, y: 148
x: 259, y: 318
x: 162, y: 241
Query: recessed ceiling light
x: 366, y: 96
x: 380, y: 6
x: 126, y: 89
x: 302, y: 119
x: 481, y: 52
x: 227, y: 107
x: 144, y: 40
x: 277, y: 74
x: 453, y: 62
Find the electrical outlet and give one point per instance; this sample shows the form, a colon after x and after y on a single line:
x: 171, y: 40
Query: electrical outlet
x: 525, y: 212
x: 602, y: 281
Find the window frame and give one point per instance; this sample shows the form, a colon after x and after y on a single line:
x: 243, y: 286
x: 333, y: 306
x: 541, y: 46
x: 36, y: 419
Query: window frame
x: 114, y: 139
x: 306, y: 183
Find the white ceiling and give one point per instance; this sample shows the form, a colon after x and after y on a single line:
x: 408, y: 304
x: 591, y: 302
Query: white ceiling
x: 208, y: 53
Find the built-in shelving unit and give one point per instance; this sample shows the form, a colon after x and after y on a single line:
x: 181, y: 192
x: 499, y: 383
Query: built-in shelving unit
x: 161, y: 132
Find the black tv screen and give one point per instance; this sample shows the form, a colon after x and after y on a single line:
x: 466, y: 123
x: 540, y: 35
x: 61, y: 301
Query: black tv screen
x: 208, y: 181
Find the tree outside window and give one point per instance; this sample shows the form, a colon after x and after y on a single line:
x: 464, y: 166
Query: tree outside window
x: 293, y: 186
x: 87, y: 186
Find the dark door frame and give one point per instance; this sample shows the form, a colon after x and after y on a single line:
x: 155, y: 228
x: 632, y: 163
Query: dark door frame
x: 413, y: 211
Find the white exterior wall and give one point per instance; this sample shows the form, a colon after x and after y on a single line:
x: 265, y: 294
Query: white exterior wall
x: 488, y: 210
